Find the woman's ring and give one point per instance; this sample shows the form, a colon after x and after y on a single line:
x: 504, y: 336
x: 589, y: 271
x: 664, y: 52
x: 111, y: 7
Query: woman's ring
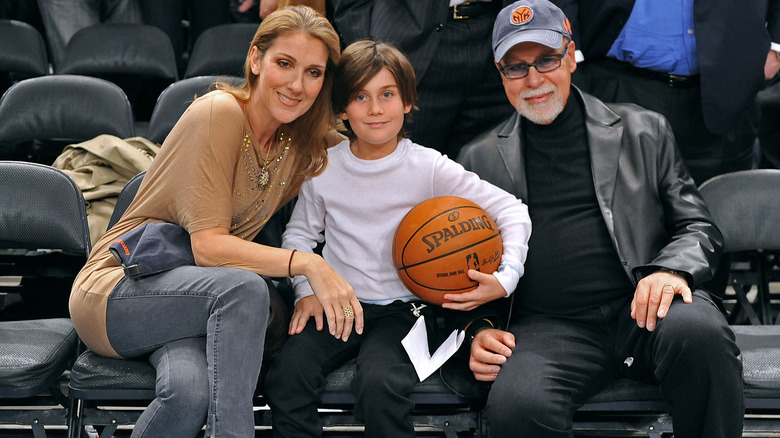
x: 348, y: 312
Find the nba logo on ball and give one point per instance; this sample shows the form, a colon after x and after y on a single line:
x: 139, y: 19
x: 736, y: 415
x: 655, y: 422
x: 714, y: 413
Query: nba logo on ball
x: 439, y: 240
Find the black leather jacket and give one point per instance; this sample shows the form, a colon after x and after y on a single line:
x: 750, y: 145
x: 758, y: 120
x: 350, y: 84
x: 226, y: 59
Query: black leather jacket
x: 652, y: 208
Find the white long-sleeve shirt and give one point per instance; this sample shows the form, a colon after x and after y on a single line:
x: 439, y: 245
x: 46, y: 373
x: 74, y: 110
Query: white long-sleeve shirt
x: 356, y: 205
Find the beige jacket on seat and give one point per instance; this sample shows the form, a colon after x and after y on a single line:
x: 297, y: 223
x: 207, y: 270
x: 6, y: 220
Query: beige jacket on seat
x: 101, y: 167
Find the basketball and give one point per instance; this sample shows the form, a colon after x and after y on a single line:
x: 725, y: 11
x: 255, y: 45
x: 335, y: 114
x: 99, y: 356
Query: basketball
x: 438, y: 241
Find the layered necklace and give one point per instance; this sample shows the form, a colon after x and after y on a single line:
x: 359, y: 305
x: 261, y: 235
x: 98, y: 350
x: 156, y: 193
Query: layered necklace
x: 268, y: 166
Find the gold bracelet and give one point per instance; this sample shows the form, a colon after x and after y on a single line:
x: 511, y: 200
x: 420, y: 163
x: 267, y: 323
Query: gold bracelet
x: 289, y: 263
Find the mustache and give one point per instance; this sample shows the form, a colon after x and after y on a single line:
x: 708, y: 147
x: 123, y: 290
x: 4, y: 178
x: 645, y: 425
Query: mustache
x: 543, y: 89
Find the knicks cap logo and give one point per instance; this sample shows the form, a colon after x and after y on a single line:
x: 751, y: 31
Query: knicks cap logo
x: 522, y: 15
x: 567, y: 26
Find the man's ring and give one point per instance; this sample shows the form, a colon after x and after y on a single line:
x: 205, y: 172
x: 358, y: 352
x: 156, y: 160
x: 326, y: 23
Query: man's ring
x: 348, y: 312
x: 667, y: 285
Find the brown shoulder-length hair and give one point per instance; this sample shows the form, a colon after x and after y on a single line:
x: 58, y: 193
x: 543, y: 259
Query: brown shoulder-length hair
x: 309, y: 130
x: 360, y: 62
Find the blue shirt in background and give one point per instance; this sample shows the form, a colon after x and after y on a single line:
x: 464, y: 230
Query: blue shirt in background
x: 659, y: 36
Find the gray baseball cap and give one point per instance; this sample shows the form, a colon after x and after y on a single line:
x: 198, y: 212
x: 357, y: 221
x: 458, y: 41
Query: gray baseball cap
x: 536, y: 21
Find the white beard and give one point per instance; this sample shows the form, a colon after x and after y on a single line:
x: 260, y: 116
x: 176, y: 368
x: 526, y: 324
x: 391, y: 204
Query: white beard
x: 541, y: 113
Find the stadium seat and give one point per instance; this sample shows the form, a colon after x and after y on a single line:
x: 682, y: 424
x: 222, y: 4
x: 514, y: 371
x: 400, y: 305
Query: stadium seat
x: 42, y: 115
x: 746, y: 207
x: 44, y: 242
x: 221, y: 50
x: 22, y: 53
x: 137, y: 57
x: 175, y: 99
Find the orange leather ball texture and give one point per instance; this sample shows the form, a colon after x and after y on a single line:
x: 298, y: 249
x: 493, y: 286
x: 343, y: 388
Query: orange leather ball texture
x: 439, y: 240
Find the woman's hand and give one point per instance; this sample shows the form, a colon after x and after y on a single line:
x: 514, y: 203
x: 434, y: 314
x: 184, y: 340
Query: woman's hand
x: 336, y: 296
x: 489, y: 289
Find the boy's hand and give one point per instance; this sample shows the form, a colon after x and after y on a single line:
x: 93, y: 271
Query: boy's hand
x: 306, y: 307
x: 489, y: 289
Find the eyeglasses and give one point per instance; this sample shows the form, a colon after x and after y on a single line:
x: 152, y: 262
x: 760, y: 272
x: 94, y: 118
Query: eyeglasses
x: 542, y: 65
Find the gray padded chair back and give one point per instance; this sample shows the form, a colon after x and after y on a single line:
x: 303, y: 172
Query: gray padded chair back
x: 23, y: 52
x: 41, y: 207
x: 125, y: 197
x: 137, y: 57
x: 746, y: 207
x: 175, y: 99
x: 120, y: 48
x: 62, y: 109
x: 221, y: 50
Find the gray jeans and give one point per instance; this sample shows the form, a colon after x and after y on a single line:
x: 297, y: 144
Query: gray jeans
x: 205, y: 329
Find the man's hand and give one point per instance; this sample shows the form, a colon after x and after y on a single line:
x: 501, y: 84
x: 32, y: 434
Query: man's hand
x: 654, y: 295
x: 489, y: 349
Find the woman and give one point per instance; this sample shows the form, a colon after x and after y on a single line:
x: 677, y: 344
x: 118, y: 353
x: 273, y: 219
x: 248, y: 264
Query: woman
x: 235, y: 157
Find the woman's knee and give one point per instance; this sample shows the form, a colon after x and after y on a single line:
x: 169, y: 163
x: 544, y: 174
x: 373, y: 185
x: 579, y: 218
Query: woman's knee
x: 247, y: 290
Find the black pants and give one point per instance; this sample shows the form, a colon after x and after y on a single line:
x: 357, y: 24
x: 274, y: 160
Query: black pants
x: 561, y: 362
x: 385, y: 375
x: 706, y: 154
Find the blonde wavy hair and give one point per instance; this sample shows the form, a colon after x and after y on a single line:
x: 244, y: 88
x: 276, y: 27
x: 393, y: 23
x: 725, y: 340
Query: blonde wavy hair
x: 310, y: 129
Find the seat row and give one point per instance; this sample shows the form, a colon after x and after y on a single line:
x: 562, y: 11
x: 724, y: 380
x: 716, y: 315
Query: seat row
x: 40, y: 116
x: 42, y: 208
x: 139, y: 58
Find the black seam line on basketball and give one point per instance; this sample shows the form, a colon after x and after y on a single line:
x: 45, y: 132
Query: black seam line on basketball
x: 447, y: 254
x: 430, y: 220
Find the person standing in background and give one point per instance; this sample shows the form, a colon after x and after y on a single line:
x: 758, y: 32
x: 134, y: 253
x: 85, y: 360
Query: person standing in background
x: 700, y: 63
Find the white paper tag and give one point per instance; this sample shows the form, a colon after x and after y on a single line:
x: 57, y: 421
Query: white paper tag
x: 416, y: 345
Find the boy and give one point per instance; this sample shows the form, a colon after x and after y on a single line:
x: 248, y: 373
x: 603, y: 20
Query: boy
x: 371, y: 181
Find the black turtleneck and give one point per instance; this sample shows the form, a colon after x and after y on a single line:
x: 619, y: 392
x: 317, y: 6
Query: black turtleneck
x: 572, y: 264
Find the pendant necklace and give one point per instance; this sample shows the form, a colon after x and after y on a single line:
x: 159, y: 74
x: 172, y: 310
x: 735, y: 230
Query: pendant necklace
x: 263, y: 175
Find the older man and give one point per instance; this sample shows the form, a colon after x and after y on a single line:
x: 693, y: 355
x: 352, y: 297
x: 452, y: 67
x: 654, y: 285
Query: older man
x: 621, y: 241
